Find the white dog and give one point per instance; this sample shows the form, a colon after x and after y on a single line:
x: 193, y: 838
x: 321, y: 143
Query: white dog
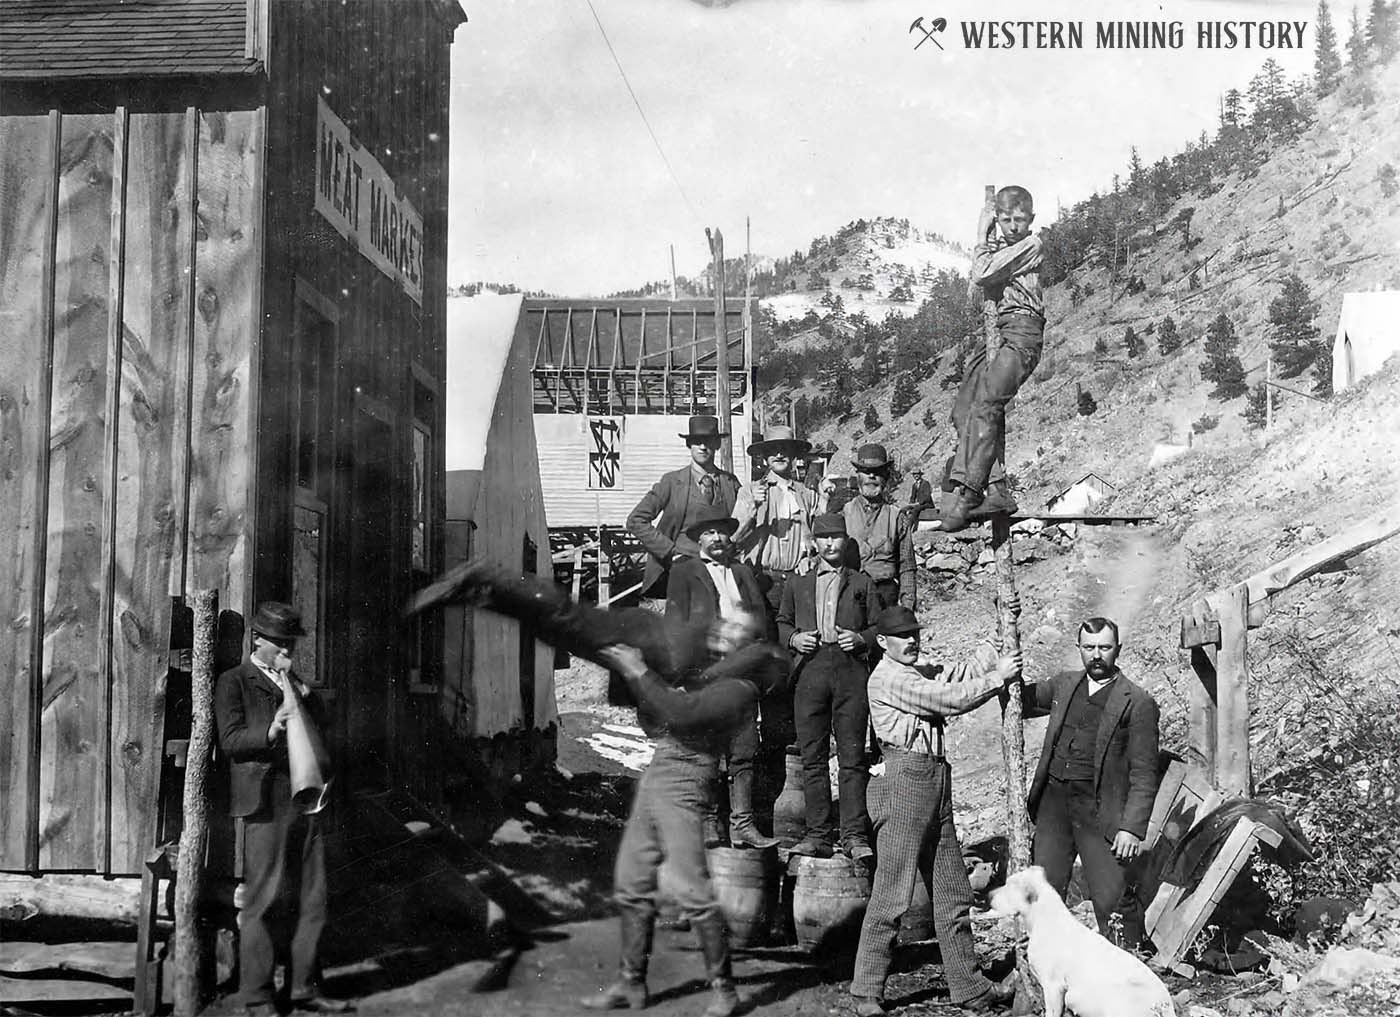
x: 1077, y: 967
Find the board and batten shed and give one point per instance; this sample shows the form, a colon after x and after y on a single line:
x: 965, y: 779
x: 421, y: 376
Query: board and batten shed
x: 222, y: 296
x: 498, y: 681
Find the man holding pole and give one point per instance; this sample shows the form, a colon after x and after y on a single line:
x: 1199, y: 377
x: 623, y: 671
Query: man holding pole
x: 283, y: 845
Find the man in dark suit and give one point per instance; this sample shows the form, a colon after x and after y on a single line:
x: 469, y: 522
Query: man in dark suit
x: 282, y: 846
x: 676, y: 500
x: 827, y: 619
x: 715, y: 587
x: 920, y: 494
x: 1093, y: 791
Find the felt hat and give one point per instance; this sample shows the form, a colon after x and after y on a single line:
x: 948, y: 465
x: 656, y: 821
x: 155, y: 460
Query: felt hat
x: 703, y: 426
x: 871, y: 457
x: 275, y: 620
x: 917, y: 471
x: 897, y: 620
x: 780, y: 438
x: 829, y: 524
x: 712, y: 517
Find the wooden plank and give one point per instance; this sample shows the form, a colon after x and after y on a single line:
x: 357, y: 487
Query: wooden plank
x: 150, y: 440
x: 73, y: 765
x: 105, y: 959
x: 1201, y: 709
x: 28, y: 156
x: 1309, y: 562
x: 55, y: 990
x: 221, y: 429
x: 1161, y: 805
x: 70, y: 896
x: 1232, y: 693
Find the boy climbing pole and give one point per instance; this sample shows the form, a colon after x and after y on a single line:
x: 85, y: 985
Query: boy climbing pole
x: 1007, y: 267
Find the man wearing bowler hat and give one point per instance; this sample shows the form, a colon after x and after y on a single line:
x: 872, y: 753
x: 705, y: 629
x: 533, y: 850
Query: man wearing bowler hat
x: 912, y: 807
x: 827, y: 620
x: 716, y: 588
x: 676, y: 500
x: 920, y: 490
x: 283, y: 849
x: 881, y: 545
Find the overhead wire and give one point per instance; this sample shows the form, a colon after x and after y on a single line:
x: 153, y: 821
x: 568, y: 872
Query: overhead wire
x: 641, y: 112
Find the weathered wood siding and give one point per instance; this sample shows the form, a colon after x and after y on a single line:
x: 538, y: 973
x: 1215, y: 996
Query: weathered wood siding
x: 486, y: 698
x: 649, y: 446
x: 383, y: 69
x: 112, y: 397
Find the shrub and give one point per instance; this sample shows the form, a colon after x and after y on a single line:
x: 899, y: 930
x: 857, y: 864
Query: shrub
x: 872, y: 418
x: 1087, y: 407
x: 1204, y: 423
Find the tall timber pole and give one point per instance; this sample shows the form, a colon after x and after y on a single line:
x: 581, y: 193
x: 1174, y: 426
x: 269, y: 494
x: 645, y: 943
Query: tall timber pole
x: 726, y: 448
x: 1013, y: 736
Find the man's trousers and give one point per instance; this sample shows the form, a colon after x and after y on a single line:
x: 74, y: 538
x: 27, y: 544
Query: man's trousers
x: 282, y: 848
x: 979, y: 412
x: 830, y: 697
x: 912, y: 806
x: 1067, y: 824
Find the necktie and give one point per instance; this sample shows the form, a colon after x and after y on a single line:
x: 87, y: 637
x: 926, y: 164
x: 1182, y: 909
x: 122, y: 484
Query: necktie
x: 707, y: 488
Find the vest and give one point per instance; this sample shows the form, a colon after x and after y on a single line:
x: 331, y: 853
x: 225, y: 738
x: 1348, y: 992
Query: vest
x: 878, y: 546
x: 1073, y: 758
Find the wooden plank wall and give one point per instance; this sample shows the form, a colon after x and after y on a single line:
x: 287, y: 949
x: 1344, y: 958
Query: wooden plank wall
x: 383, y: 69
x: 100, y: 262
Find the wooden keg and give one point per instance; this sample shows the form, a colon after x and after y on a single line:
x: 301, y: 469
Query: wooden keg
x: 828, y: 901
x: 790, y: 807
x: 745, y: 883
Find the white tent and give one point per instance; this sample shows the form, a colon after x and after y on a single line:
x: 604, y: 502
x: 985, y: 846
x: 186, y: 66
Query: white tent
x: 1368, y: 332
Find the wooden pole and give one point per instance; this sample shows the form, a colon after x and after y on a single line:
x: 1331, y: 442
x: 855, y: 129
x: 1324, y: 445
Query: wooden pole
x: 1268, y: 396
x: 1013, y: 736
x: 726, y: 447
x: 196, y: 819
x: 673, y: 271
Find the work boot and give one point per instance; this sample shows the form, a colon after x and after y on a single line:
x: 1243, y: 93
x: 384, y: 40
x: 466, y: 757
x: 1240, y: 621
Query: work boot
x: 629, y: 991
x: 998, y: 501
x: 713, y: 935
x: 857, y: 849
x: 813, y: 847
x: 742, y: 831
x: 714, y: 836
x: 956, y: 509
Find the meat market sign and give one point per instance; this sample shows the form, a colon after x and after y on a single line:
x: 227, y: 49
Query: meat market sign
x: 362, y: 202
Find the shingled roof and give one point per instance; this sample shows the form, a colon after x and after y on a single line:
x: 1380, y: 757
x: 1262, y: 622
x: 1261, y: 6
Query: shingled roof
x: 47, y: 39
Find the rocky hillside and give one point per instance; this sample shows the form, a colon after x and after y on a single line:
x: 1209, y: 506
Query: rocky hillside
x: 1324, y: 665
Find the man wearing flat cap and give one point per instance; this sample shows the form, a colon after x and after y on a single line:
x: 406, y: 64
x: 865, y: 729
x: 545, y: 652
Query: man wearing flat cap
x: 827, y: 620
x: 283, y: 849
x: 912, y: 809
x: 716, y: 588
x: 676, y: 500
x: 881, y: 542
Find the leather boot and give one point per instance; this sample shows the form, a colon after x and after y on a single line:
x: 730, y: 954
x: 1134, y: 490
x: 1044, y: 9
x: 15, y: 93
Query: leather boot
x: 742, y: 831
x: 629, y: 991
x: 998, y: 500
x: 713, y: 935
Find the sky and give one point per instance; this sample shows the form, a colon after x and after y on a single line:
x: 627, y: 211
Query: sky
x: 802, y: 115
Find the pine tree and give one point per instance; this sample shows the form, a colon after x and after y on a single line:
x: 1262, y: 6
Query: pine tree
x: 904, y: 397
x: 1255, y: 411
x: 1134, y: 169
x: 1168, y: 338
x: 1134, y: 343
x: 1087, y: 407
x: 1327, y: 64
x: 1222, y: 366
x: 872, y: 418
x: 1294, y: 337
x: 1356, y: 43
x: 1101, y: 346
x: 1381, y: 35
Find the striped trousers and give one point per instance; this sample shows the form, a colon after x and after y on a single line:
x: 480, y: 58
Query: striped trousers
x: 912, y: 809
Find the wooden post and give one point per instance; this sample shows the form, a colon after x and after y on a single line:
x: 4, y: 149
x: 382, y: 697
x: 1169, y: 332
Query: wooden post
x: 1232, y: 693
x: 604, y: 569
x: 1268, y: 394
x: 1013, y: 735
x: 1201, y: 718
x: 673, y: 275
x: 196, y: 829
x: 726, y: 447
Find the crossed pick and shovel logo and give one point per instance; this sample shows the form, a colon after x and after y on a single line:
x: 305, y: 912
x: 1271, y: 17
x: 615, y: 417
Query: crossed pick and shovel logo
x: 936, y: 25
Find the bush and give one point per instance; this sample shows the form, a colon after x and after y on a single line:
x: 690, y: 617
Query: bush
x: 872, y: 418
x: 1386, y: 177
x: 1168, y: 339
x: 1101, y: 346
x: 1204, y: 424
x: 1087, y: 407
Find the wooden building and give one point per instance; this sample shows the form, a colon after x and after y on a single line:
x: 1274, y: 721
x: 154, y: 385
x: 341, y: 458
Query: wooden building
x: 222, y: 293
x: 1080, y: 497
x: 1368, y: 334
x: 497, y: 680
x: 615, y: 383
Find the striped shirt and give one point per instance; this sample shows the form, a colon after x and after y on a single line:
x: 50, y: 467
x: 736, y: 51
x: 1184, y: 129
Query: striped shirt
x: 909, y: 701
x: 1011, y: 274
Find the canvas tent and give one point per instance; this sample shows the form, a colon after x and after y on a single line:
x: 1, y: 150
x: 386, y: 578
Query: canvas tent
x: 1368, y: 332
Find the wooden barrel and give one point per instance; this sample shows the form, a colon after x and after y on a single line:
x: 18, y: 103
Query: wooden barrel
x: 790, y: 807
x: 828, y: 901
x: 745, y: 885
x: 916, y: 924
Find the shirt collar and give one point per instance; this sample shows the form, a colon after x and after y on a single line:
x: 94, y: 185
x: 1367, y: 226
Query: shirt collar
x: 1097, y: 686
x: 825, y: 566
x: 773, y: 480
x: 699, y: 471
